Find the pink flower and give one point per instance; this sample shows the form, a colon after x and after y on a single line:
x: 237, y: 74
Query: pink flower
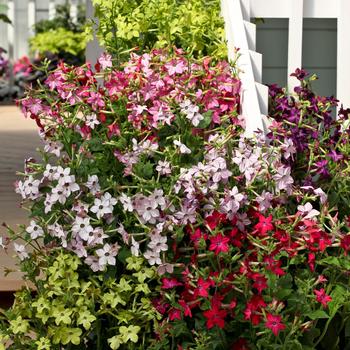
x: 105, y: 61
x: 322, y: 297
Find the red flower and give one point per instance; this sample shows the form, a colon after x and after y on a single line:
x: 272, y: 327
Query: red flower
x: 260, y: 282
x: 219, y: 243
x: 264, y: 225
x: 274, y: 323
x: 168, y: 283
x: 174, y: 314
x: 187, y: 310
x: 240, y: 344
x: 215, y: 219
x: 215, y: 317
x: 253, y: 309
x: 274, y: 265
x: 345, y: 243
x: 311, y: 261
x: 322, y: 297
x: 202, y: 289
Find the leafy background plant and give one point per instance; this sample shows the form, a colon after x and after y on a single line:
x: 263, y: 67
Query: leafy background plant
x: 193, y: 25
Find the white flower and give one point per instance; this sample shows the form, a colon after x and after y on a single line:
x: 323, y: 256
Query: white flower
x: 70, y: 186
x: 105, y: 60
x: 93, y: 184
x: 103, y: 206
x: 31, y: 187
x: 56, y: 230
x: 192, y: 112
x: 91, y: 120
x: 321, y: 194
x: 53, y: 147
x: 62, y: 175
x: 94, y: 264
x: 152, y: 257
x: 183, y: 148
x: 48, y: 203
x: 158, y: 198
x: 20, y: 249
x: 308, y: 211
x: 135, y: 247
x: 163, y: 167
x: 50, y: 172
x: 107, y: 255
x: 2, y: 245
x: 126, y: 202
x: 97, y: 237
x: 58, y: 194
x: 82, y: 228
x: 125, y: 236
x: 34, y: 230
x: 158, y: 243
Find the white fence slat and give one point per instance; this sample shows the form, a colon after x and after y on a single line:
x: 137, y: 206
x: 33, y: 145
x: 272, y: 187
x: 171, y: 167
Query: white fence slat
x: 74, y: 10
x: 343, y: 54
x: 237, y: 38
x: 11, y: 28
x: 295, y: 40
x: 52, y: 9
x: 31, y: 16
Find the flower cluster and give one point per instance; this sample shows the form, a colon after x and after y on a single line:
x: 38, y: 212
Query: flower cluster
x: 173, y: 228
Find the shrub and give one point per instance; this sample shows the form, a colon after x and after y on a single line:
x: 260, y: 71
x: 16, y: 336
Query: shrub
x: 155, y: 224
x: 193, y: 25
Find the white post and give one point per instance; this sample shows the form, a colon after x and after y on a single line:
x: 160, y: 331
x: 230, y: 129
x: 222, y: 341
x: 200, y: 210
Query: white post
x: 343, y: 54
x: 295, y: 40
x: 52, y: 9
x: 11, y: 29
x: 31, y: 16
x: 237, y: 38
x: 74, y: 11
x: 93, y: 49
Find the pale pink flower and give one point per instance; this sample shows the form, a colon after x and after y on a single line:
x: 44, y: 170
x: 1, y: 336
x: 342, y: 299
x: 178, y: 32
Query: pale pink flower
x: 105, y: 60
x: 91, y: 120
x: 107, y: 255
x: 126, y: 202
x: 164, y: 168
x: 308, y: 211
x: 20, y: 249
x: 53, y: 147
x: 82, y: 228
x: 34, y: 230
x: 93, y: 184
x: 282, y: 178
x: 182, y: 147
x: 152, y: 257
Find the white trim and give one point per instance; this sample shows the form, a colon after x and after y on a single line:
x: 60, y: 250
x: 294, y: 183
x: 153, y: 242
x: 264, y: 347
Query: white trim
x: 52, y: 9
x: 343, y: 53
x: 295, y: 40
x: 31, y: 16
x: 236, y: 38
x: 11, y: 29
x: 74, y: 11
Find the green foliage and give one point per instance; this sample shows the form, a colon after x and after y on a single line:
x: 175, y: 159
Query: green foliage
x: 62, y: 19
x: 3, y: 16
x: 58, y: 40
x: 193, y: 25
x: 69, y: 307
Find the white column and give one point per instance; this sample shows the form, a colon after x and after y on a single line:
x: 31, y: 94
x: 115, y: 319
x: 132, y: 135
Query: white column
x: 74, y: 10
x: 11, y: 28
x: 295, y: 40
x: 31, y: 16
x: 93, y: 48
x: 343, y: 54
x: 52, y: 9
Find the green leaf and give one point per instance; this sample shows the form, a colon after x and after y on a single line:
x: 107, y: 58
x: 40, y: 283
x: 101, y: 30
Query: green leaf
x: 205, y: 122
x: 5, y: 19
x: 314, y: 315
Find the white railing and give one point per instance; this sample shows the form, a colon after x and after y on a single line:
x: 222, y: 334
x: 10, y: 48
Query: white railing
x: 24, y: 14
x: 238, y: 12
x: 240, y: 33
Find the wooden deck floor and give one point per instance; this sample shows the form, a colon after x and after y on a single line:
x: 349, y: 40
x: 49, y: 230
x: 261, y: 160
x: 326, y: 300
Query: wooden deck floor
x: 18, y: 140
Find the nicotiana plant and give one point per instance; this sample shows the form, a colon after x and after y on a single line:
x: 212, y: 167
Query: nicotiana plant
x: 154, y: 224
